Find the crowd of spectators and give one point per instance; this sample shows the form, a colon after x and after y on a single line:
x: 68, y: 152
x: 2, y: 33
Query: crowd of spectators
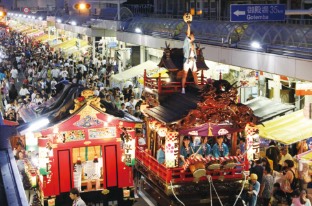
x: 30, y: 71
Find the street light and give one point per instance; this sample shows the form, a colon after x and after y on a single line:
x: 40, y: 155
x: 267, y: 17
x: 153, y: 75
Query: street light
x: 256, y: 45
x: 82, y: 6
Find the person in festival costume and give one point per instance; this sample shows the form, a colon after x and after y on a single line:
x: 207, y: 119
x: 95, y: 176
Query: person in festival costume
x: 220, y: 149
x: 161, y: 153
x: 189, y: 51
x: 186, y: 150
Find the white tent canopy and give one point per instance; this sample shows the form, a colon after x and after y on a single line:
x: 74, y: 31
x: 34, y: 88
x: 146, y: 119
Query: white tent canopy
x: 134, y: 71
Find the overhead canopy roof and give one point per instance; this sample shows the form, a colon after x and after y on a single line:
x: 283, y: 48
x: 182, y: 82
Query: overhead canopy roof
x: 265, y: 109
x: 288, y: 129
x: 134, y: 71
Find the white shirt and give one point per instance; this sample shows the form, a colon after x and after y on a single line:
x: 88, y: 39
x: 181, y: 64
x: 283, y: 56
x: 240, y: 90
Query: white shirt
x: 23, y: 92
x: 64, y: 73
x: 131, y: 105
x: 14, y: 73
x: 53, y: 83
x: 55, y: 72
x: 96, y: 92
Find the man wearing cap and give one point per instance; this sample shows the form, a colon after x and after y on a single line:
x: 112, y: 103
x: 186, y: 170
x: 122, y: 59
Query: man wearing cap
x: 254, y: 188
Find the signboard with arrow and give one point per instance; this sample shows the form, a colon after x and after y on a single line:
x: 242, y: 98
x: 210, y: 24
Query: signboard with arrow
x: 257, y: 12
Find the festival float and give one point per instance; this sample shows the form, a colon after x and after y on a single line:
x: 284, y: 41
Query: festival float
x: 88, y: 147
x: 212, y: 113
x: 208, y: 111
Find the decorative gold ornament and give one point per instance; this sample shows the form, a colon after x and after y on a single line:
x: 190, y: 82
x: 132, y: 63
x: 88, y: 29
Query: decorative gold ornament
x: 105, y: 191
x: 188, y: 18
x: 87, y: 97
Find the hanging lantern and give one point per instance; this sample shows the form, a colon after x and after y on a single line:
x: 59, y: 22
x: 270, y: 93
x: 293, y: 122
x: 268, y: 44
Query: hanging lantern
x: 162, y: 131
x: 78, y: 160
x: 95, y: 160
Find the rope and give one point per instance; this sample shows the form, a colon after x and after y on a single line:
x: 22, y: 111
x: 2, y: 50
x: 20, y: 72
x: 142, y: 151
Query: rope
x: 211, y: 183
x: 175, y: 194
x: 210, y: 191
x: 240, y: 193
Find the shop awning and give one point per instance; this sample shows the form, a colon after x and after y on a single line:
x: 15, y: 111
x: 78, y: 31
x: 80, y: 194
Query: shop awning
x: 287, y: 129
x: 69, y: 44
x: 134, y: 71
x: 266, y: 109
x: 35, y: 33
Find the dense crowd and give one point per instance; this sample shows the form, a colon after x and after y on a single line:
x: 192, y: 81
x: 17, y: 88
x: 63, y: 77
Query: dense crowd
x: 30, y: 71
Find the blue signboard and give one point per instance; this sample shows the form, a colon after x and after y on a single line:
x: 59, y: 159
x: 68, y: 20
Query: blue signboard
x: 257, y: 12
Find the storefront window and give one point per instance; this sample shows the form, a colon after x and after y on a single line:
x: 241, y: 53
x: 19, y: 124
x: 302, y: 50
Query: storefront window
x: 88, y: 168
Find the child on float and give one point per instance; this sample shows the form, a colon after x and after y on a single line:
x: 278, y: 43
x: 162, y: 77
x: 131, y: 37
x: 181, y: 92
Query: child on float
x: 220, y: 149
x: 186, y: 150
x: 204, y: 148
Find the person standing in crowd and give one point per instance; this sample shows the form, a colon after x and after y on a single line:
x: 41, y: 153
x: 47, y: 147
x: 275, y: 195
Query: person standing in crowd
x: 189, y: 51
x: 74, y: 194
x: 300, y: 199
x: 13, y: 94
x: 257, y: 169
x: 273, y: 154
x: 266, y: 187
x: 254, y: 188
x: 284, y: 156
x: 220, y: 149
x: 278, y: 195
x: 24, y: 91
x: 287, y: 179
x: 302, y: 146
x: 25, y: 180
x: 14, y: 74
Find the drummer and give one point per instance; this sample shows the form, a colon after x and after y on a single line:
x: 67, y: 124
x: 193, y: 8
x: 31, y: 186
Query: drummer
x: 186, y: 150
x: 220, y: 149
x: 204, y: 148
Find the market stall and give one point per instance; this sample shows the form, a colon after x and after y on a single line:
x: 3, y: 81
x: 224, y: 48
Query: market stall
x: 266, y: 109
x: 28, y: 31
x: 69, y: 44
x: 287, y: 129
x: 22, y: 28
x: 35, y: 33
x: 136, y: 71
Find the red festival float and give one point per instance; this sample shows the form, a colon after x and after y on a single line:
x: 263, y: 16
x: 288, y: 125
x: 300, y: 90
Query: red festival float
x: 90, y: 150
x: 207, y: 111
